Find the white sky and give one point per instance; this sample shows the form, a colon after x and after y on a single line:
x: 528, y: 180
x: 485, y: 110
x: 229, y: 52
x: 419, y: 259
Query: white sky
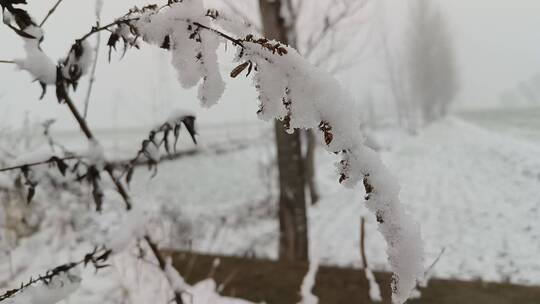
x: 498, y: 45
x: 497, y: 42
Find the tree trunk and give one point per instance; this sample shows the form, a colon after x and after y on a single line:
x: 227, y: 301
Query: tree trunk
x: 309, y: 165
x: 293, y: 239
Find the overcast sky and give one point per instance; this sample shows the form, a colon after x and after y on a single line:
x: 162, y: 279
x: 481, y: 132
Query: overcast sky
x: 497, y: 43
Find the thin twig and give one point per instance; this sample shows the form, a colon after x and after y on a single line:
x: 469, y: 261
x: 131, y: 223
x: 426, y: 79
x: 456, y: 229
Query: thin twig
x: 97, y: 258
x: 92, y: 76
x: 125, y: 195
x: 7, y: 61
x: 51, y: 11
x: 109, y: 168
x: 432, y: 266
x: 362, y: 242
x: 80, y: 120
x: 37, y: 163
x: 88, y: 133
x: 239, y: 12
x: 423, y: 282
x: 227, y: 280
x: 290, y: 25
x: 162, y: 266
x: 331, y: 24
x: 106, y: 27
x: 233, y: 40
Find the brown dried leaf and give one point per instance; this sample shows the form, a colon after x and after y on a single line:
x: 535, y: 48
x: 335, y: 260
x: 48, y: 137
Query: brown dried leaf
x: 237, y: 70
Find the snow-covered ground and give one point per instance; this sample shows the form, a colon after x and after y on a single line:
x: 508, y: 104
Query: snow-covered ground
x: 472, y: 181
x: 474, y: 188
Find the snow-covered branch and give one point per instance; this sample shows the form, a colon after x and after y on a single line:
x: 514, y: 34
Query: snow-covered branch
x: 290, y: 89
x: 300, y: 95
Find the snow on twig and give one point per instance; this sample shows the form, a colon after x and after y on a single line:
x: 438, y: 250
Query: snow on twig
x: 290, y: 89
x: 306, y: 290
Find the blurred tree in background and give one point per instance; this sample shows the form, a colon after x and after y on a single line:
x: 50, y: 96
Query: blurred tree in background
x: 433, y: 78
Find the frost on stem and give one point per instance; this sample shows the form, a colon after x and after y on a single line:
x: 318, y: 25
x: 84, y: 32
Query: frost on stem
x: 299, y: 94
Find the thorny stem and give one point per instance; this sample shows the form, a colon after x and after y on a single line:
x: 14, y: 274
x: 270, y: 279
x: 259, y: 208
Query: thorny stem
x: 121, y: 190
x: 51, y: 11
x: 88, y: 133
x: 96, y: 257
x: 105, y: 27
x: 36, y: 163
x: 116, y: 22
x: 120, y: 21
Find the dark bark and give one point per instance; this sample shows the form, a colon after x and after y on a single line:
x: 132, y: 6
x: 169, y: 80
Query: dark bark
x: 309, y: 165
x: 293, y: 241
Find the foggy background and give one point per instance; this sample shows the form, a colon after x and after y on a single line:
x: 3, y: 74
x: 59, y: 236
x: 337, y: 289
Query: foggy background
x: 496, y: 42
x: 447, y: 93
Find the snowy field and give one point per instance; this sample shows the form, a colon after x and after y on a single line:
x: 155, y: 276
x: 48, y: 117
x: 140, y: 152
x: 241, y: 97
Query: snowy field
x: 470, y: 180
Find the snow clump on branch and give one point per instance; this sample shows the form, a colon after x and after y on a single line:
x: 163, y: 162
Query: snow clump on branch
x: 303, y: 97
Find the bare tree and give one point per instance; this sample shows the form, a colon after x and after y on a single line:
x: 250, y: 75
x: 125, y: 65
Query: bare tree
x: 285, y: 21
x: 433, y: 76
x: 395, y: 77
x: 293, y: 244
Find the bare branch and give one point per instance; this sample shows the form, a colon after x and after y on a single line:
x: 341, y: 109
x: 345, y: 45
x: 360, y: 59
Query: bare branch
x: 37, y: 163
x: 363, y: 241
x: 428, y: 271
x: 291, y: 24
x: 121, y: 190
x: 80, y: 120
x: 163, y: 266
x: 7, y: 61
x: 348, y: 10
x: 353, y: 59
x: 243, y: 15
x: 92, y: 76
x: 106, y: 27
x: 51, y: 11
x: 235, y: 41
x: 97, y: 258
